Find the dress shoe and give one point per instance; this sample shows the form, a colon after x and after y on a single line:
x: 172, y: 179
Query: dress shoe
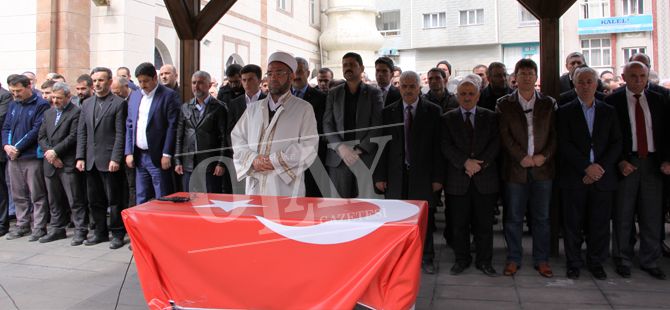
x: 428, y: 267
x: 544, y: 270
x: 96, y: 239
x: 572, y: 273
x: 3, y: 232
x: 510, y: 269
x: 53, y: 236
x: 37, y: 235
x: 78, y: 239
x: 458, y: 268
x: 623, y: 271
x: 116, y: 243
x: 488, y: 270
x: 665, y: 248
x: 18, y: 233
x: 655, y: 272
x: 598, y: 272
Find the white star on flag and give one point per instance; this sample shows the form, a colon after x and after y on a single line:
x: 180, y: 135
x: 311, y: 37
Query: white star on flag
x: 229, y: 205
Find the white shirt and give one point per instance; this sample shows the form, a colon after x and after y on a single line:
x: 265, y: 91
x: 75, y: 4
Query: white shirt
x: 526, y: 106
x: 253, y: 98
x: 630, y: 97
x: 143, y: 119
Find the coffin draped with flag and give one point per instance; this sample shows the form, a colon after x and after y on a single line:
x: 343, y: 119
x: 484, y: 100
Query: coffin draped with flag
x: 261, y: 252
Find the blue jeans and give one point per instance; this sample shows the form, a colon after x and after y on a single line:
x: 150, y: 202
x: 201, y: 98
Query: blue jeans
x: 536, y: 195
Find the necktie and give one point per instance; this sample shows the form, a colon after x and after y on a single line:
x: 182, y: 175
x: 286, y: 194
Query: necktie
x: 640, y: 129
x: 469, y: 131
x: 408, y: 133
x: 58, y: 114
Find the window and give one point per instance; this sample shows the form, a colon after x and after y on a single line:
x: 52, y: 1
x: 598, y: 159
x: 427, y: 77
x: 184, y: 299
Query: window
x: 525, y: 17
x: 285, y: 5
x: 435, y: 20
x: 630, y: 51
x: 472, y: 17
x: 598, y: 52
x: 594, y: 9
x: 633, y: 7
x: 388, y: 23
x: 314, y: 12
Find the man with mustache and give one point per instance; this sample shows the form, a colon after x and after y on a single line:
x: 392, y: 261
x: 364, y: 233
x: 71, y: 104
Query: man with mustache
x: 353, y: 115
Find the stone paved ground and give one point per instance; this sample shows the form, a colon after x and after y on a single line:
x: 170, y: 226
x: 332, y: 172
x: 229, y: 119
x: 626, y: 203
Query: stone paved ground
x: 58, y: 276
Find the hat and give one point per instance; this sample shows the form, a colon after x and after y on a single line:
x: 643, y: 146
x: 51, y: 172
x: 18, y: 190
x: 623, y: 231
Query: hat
x: 284, y: 58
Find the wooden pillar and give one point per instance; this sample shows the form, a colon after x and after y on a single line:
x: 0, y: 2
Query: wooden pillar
x: 549, y: 60
x: 190, y: 63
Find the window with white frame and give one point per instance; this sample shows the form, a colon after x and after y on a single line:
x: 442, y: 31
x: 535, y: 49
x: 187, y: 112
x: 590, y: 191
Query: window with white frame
x: 472, y: 17
x: 284, y: 5
x: 594, y: 9
x: 633, y: 7
x: 388, y: 23
x: 630, y: 51
x: 597, y: 52
x: 525, y: 17
x: 435, y: 20
x: 314, y: 13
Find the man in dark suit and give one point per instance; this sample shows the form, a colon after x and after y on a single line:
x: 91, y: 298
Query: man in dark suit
x: 5, y: 98
x: 528, y: 138
x: 100, y: 138
x: 125, y: 73
x: 589, y: 145
x: 201, y: 135
x: 470, y: 144
x: 644, y: 159
x: 120, y: 87
x: 497, y: 75
x: 233, y: 88
x: 301, y: 89
x: 251, y: 80
x: 571, y: 95
x: 438, y: 93
x: 151, y: 129
x: 383, y: 73
x: 572, y: 62
x: 644, y: 58
x: 410, y: 164
x: 353, y: 111
x: 58, y: 140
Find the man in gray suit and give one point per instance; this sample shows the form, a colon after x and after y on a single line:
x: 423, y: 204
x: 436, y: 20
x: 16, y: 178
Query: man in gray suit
x: 100, y: 142
x: 353, y: 115
x: 58, y: 139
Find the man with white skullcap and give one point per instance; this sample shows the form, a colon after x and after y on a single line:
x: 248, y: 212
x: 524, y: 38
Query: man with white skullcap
x: 276, y: 138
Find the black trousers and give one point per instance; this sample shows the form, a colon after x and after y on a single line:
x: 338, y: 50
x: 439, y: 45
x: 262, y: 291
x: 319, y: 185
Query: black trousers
x: 586, y: 212
x: 428, y: 243
x: 472, y: 213
x: 4, y: 198
x: 66, y: 186
x: 103, y: 192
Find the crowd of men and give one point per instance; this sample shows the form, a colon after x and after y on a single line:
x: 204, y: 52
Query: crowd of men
x: 78, y: 157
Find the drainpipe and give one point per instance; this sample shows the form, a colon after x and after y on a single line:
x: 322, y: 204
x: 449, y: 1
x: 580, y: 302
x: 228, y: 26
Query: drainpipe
x: 53, y: 37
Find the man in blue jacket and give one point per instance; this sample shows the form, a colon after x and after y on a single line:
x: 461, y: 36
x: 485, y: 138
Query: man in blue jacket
x: 19, y: 140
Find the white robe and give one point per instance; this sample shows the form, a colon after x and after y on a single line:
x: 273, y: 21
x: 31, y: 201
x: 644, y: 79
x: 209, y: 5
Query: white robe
x: 290, y: 140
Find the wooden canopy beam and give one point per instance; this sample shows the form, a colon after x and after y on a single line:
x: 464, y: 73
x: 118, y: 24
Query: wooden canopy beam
x: 192, y: 25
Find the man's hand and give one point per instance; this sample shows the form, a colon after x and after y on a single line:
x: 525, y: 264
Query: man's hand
x: 12, y: 152
x: 594, y: 172
x: 538, y: 160
x: 218, y: 171
x: 348, y: 154
x: 381, y: 186
x: 166, y: 162
x: 130, y: 162
x: 527, y: 162
x: 57, y: 163
x: 626, y: 168
x: 665, y: 168
x: 80, y: 165
x: 179, y: 169
x: 50, y: 156
x: 588, y: 180
x: 113, y: 166
x: 472, y: 166
x: 262, y: 163
x: 437, y: 187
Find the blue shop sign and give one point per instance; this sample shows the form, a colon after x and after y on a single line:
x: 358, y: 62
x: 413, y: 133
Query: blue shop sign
x: 619, y: 24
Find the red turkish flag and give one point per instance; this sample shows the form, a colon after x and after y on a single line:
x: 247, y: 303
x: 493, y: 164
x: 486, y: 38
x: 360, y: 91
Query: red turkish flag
x: 236, y: 251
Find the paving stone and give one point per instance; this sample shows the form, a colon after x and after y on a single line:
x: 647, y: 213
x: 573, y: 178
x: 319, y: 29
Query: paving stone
x: 637, y: 299
x: 562, y: 306
x: 456, y: 304
x: 564, y: 296
x: 476, y: 293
